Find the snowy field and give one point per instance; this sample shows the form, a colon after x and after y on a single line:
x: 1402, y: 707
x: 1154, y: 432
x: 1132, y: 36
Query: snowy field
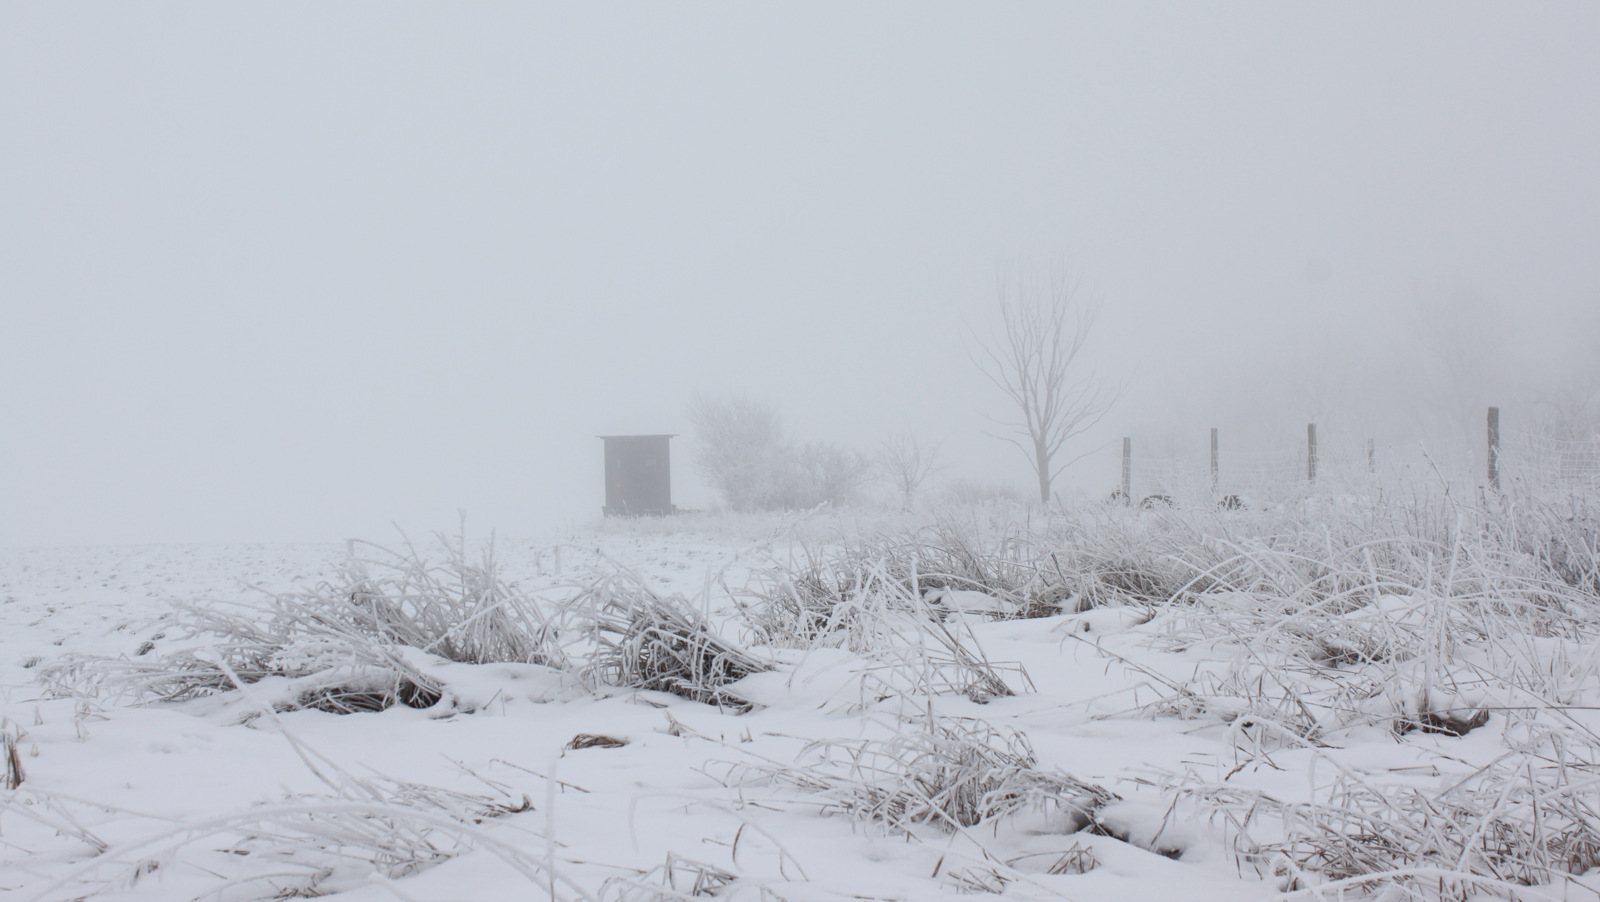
x: 1331, y: 699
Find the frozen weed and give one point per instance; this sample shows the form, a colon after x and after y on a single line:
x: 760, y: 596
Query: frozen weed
x: 346, y: 645
x: 833, y: 600
x: 835, y: 597
x: 648, y: 641
x: 1075, y: 860
x: 677, y: 878
x: 1420, y: 619
x: 1418, y: 614
x: 305, y: 845
x: 949, y: 772
x: 999, y: 559
x: 10, y: 738
x: 934, y: 659
x: 988, y: 881
x: 1518, y: 822
x: 919, y: 644
x: 594, y: 741
x: 308, y: 844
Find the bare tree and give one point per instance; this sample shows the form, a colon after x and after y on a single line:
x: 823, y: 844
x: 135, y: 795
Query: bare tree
x: 908, y: 463
x: 1036, y: 364
x: 828, y: 473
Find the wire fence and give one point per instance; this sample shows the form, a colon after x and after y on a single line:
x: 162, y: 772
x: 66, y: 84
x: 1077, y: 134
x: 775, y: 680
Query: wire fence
x: 1547, y: 462
x: 1327, y: 465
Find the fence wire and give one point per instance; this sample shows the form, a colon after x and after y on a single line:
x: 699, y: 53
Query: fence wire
x: 1544, y: 462
x: 1529, y: 460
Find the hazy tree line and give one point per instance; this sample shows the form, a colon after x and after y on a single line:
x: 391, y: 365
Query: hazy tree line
x: 1462, y: 363
x: 747, y: 454
x: 744, y: 451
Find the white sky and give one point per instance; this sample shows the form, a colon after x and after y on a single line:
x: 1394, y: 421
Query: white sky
x: 298, y: 270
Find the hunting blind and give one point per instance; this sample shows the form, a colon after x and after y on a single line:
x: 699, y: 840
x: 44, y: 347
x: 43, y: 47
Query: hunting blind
x: 638, y: 475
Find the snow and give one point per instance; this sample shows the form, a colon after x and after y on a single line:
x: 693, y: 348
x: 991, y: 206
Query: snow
x: 135, y: 776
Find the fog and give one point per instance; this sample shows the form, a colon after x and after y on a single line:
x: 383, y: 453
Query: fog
x: 299, y: 271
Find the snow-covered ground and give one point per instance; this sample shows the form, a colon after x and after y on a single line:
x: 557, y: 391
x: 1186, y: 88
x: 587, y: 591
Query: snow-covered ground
x: 216, y: 797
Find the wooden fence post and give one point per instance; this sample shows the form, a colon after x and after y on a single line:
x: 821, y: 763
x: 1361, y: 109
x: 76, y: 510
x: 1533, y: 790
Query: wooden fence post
x: 1127, y: 470
x: 1213, y: 461
x: 1311, y: 452
x: 1494, y: 448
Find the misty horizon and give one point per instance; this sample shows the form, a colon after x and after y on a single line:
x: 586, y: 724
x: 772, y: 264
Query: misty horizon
x: 298, y: 272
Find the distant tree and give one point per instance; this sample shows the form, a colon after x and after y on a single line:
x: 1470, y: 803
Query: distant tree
x: 741, y: 449
x: 908, y: 462
x: 829, y: 473
x: 1035, y: 362
x: 967, y: 490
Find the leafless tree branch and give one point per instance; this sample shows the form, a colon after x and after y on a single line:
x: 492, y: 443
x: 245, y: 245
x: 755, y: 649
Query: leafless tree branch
x: 909, y: 462
x: 1035, y: 363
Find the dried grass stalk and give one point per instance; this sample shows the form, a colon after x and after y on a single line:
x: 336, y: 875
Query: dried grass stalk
x: 1518, y: 822
x: 594, y: 741
x: 677, y: 879
x: 918, y: 647
x: 662, y: 643
x: 9, y: 740
x: 951, y: 772
x: 305, y: 845
x: 347, y: 643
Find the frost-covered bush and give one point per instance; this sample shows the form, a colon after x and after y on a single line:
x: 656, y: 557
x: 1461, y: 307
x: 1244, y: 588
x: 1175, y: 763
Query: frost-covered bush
x: 648, y: 641
x: 825, y: 473
x: 743, y: 450
x: 356, y: 642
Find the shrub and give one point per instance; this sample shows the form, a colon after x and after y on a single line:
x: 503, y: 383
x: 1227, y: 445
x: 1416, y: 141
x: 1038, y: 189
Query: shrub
x: 745, y: 453
x: 742, y: 450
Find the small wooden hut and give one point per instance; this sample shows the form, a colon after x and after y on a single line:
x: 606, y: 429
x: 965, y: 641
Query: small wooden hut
x: 638, y: 475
